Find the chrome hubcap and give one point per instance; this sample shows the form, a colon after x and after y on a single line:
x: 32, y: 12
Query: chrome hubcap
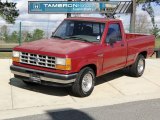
x: 140, y: 66
x: 87, y: 82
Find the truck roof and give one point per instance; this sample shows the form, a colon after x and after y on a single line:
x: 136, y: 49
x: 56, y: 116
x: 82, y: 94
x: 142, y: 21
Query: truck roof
x: 93, y: 19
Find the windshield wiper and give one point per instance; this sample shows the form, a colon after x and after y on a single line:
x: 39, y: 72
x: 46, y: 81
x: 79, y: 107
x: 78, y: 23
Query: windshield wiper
x: 77, y: 38
x: 55, y: 36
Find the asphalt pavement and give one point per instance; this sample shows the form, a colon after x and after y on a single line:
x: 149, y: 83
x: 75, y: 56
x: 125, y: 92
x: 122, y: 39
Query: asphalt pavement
x: 142, y: 110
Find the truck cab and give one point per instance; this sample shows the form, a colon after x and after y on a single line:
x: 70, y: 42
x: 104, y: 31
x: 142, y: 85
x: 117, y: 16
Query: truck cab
x: 79, y: 51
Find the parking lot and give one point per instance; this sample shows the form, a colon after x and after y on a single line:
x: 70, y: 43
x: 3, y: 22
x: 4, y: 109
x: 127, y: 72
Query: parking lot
x: 18, y: 99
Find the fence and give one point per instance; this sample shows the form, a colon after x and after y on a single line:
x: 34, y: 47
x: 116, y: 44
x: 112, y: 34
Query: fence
x: 13, y: 35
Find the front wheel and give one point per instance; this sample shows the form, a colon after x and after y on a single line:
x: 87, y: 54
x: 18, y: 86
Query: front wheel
x: 84, y: 84
x: 137, y: 69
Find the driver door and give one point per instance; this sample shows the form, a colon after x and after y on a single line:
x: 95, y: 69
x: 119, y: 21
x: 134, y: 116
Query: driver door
x: 115, y: 52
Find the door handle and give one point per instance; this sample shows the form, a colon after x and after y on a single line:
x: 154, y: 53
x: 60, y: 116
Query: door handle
x: 100, y: 55
x: 122, y: 44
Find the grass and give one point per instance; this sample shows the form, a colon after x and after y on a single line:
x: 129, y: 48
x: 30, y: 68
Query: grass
x: 7, y: 45
x: 5, y: 55
x: 157, y: 44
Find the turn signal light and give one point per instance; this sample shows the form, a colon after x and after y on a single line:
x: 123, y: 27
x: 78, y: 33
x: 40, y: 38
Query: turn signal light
x: 63, y: 67
x: 15, y: 59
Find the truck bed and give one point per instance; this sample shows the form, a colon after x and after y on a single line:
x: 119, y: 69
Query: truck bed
x: 138, y: 43
x: 134, y: 35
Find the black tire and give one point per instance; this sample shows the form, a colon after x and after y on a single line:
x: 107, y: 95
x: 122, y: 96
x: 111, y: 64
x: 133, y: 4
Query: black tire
x: 77, y: 86
x: 134, y: 68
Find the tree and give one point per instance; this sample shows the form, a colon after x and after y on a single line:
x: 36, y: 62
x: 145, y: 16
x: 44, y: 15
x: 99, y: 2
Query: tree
x: 4, y: 33
x: 155, y: 31
x: 14, y: 37
x: 37, y: 34
x: 142, y: 24
x: 26, y: 36
x: 8, y: 11
x: 148, y: 8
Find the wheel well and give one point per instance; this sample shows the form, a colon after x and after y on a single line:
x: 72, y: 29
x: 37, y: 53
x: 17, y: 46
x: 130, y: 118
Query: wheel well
x: 93, y: 66
x: 144, y: 53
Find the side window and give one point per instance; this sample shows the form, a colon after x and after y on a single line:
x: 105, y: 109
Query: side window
x: 114, y: 31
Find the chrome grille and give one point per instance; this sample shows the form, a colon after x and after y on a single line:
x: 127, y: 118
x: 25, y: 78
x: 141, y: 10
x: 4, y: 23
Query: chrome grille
x: 38, y: 60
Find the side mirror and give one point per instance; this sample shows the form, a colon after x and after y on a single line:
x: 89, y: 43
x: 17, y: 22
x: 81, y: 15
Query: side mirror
x: 112, y: 41
x: 98, y: 37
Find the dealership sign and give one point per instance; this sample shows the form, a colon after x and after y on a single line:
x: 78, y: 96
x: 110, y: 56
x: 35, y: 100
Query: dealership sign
x: 77, y: 7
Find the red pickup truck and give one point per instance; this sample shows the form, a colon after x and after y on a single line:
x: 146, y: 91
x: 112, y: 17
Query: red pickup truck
x: 80, y: 50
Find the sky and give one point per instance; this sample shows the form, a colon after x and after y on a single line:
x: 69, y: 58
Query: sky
x: 49, y: 22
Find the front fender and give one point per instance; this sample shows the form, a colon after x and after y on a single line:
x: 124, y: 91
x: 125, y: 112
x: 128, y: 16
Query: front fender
x: 84, y: 63
x: 97, y: 61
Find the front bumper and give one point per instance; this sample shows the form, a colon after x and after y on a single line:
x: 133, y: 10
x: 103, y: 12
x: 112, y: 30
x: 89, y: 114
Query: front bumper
x: 44, y: 76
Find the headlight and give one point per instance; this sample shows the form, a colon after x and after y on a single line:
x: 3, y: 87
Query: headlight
x: 15, y: 56
x: 63, y: 63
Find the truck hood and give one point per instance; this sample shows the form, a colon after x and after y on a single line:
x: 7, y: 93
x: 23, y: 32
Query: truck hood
x: 53, y: 46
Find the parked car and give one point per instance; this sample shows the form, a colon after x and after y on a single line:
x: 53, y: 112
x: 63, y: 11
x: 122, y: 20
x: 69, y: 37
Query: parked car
x: 79, y: 51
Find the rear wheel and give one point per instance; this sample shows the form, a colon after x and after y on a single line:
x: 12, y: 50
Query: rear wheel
x: 137, y: 69
x: 84, y: 84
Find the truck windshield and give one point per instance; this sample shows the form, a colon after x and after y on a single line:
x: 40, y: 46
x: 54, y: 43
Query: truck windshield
x: 80, y: 30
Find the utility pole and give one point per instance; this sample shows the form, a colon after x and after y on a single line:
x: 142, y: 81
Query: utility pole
x: 20, y: 33
x: 133, y: 17
x: 69, y: 14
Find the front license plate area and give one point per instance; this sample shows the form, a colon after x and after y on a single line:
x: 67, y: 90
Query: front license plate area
x: 35, y: 78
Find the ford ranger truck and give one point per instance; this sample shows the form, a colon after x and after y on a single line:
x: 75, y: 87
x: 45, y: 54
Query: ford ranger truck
x: 80, y: 50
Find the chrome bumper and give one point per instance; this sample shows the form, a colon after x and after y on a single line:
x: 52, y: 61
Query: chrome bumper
x: 44, y: 76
